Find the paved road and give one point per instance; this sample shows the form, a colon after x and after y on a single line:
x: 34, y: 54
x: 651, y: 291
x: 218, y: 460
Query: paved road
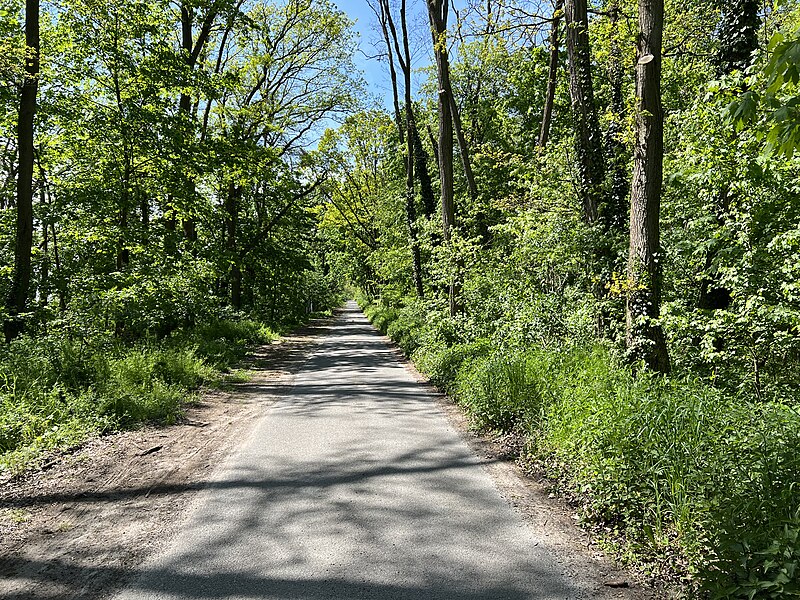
x: 353, y: 485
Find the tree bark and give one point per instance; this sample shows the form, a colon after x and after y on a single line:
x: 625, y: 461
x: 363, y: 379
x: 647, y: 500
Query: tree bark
x: 185, y: 101
x: 62, y: 295
x: 404, y: 59
x: 434, y: 144
x: 552, y: 76
x: 463, y: 148
x: 437, y: 13
x: 422, y: 173
x: 17, y: 298
x: 44, y: 276
x: 411, y: 211
x: 192, y: 49
x: 645, y: 338
x: 614, y: 214
x: 123, y: 252
x: 589, y: 150
x: 231, y: 226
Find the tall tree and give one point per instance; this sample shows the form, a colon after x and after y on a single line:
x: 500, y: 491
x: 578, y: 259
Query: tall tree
x: 191, y: 50
x: 422, y: 173
x: 552, y: 75
x: 589, y: 144
x: 461, y: 138
x: 437, y: 13
x: 615, y: 211
x: 17, y: 299
x: 645, y: 338
x: 404, y: 59
x: 463, y: 147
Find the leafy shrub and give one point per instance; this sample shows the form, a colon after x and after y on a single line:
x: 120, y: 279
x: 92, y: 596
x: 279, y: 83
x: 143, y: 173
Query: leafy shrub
x: 223, y: 342
x: 383, y: 317
x: 701, y: 480
x: 152, y: 383
x: 408, y: 327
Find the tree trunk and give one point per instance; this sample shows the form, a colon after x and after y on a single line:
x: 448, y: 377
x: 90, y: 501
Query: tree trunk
x: 44, y: 278
x: 144, y: 209
x: 645, y: 339
x: 232, y: 223
x: 17, y: 298
x: 437, y: 12
x: 422, y: 173
x: 62, y: 295
x: 411, y: 211
x: 552, y: 76
x: 387, y: 25
x: 615, y: 213
x: 589, y: 149
x: 384, y: 17
x: 434, y: 144
x: 123, y: 253
x: 463, y: 148
x: 192, y: 49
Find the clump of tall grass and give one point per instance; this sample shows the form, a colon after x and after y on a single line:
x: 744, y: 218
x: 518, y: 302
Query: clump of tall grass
x: 55, y: 390
x: 443, y: 363
x: 223, y: 342
x: 502, y: 392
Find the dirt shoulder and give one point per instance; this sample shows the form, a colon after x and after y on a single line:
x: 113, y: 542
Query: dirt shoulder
x: 78, y: 528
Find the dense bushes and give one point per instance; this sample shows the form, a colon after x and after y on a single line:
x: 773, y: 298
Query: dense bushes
x: 674, y: 472
x: 56, y: 389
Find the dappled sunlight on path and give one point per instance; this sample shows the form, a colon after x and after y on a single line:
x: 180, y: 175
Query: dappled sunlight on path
x: 352, y: 485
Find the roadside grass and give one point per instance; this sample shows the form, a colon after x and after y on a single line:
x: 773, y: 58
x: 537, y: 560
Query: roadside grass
x: 55, y: 391
x: 695, y: 485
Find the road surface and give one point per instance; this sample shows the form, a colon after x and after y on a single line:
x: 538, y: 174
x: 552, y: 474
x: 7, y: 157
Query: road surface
x: 353, y: 485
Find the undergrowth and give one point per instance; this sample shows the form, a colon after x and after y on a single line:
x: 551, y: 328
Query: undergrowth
x: 695, y: 483
x: 56, y: 390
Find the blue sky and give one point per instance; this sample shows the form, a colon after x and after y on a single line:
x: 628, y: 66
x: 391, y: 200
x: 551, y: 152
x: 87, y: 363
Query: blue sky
x: 371, y: 42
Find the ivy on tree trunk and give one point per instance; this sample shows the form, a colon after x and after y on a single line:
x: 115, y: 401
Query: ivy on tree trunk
x: 644, y: 336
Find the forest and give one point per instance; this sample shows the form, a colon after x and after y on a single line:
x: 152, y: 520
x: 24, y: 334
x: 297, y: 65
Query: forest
x: 581, y: 220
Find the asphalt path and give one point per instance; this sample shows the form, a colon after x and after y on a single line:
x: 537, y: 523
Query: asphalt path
x: 353, y: 485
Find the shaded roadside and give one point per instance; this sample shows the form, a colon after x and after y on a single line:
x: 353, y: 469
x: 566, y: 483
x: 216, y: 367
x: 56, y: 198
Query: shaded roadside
x: 76, y: 528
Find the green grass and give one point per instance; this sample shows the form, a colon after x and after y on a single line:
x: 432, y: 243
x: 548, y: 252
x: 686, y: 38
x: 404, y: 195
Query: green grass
x: 679, y: 476
x: 56, y: 391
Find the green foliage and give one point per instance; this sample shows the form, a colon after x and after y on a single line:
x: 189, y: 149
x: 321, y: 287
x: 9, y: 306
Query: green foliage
x: 694, y: 473
x: 442, y: 362
x: 57, y: 390
x: 682, y: 472
x: 775, y: 92
x: 406, y: 327
x: 501, y: 392
x: 762, y: 571
x: 179, y: 205
x: 222, y: 343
